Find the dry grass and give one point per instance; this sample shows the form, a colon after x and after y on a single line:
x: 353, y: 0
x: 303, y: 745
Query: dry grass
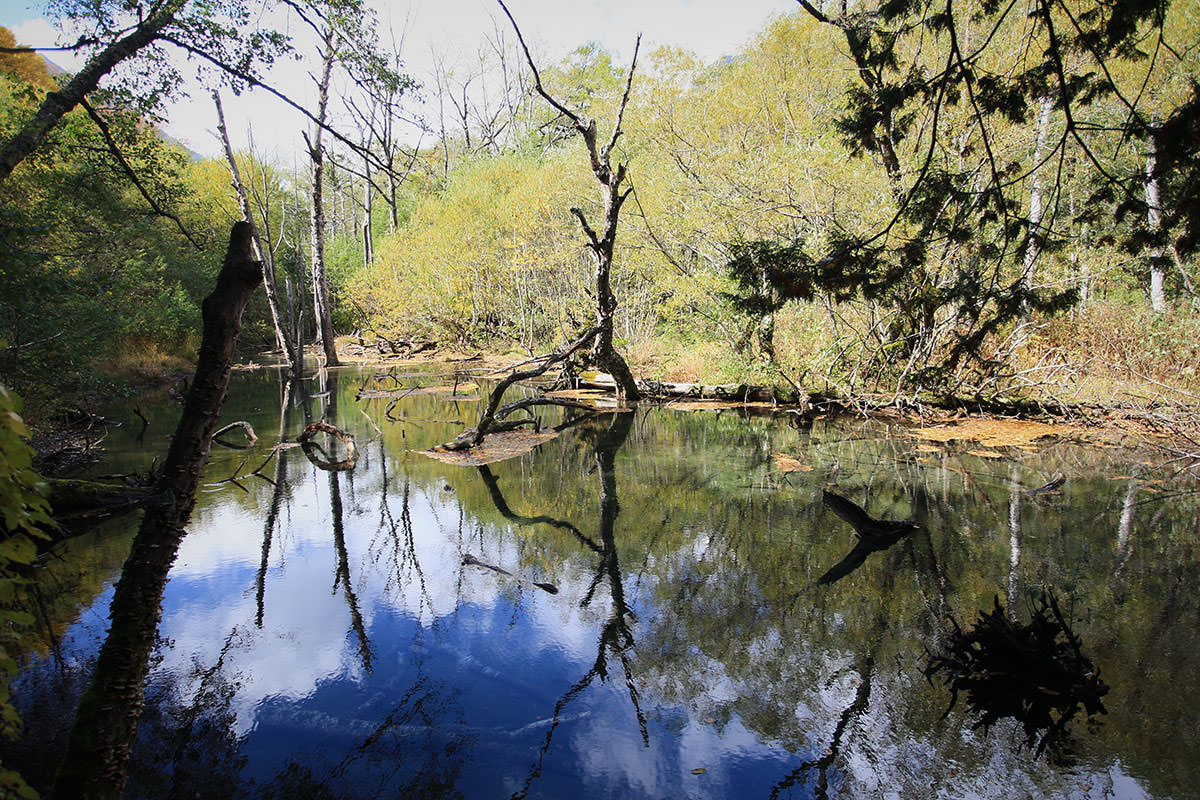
x: 144, y: 363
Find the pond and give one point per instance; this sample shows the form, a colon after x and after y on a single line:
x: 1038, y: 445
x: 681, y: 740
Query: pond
x: 652, y: 604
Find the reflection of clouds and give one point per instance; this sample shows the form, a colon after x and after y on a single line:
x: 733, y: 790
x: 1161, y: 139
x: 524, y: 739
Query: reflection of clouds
x: 302, y: 641
x: 306, y: 636
x: 221, y: 537
x: 307, y: 642
x: 609, y: 752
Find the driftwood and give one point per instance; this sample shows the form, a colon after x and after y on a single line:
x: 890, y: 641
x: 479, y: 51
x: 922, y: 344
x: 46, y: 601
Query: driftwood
x: 311, y: 448
x: 491, y: 416
x: 245, y: 427
x: 390, y: 348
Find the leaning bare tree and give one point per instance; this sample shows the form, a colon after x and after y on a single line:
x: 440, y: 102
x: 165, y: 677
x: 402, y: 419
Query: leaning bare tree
x: 604, y: 355
x: 263, y: 253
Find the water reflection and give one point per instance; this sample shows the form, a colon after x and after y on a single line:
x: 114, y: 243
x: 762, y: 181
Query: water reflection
x: 1034, y: 673
x: 322, y: 636
x: 874, y: 535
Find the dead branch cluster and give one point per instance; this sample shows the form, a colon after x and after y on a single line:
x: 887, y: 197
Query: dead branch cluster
x: 493, y: 419
x: 1034, y: 673
x: 381, y: 346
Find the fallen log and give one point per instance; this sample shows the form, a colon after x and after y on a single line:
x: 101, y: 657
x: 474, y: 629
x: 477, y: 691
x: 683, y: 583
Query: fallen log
x: 245, y: 427
x: 311, y: 447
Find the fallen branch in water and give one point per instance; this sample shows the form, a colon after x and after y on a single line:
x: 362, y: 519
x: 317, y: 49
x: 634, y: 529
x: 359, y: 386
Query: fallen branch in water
x: 488, y: 422
x: 345, y: 438
x: 245, y: 427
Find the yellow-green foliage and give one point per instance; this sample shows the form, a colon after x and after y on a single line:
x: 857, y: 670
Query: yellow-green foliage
x: 757, y: 147
x: 496, y: 251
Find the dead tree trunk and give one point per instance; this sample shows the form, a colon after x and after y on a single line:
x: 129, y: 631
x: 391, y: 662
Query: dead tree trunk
x: 106, y: 721
x: 283, y: 339
x: 320, y: 286
x: 604, y: 354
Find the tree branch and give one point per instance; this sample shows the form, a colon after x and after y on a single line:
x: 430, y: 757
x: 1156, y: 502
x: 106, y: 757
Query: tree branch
x: 127, y: 168
x: 537, y: 77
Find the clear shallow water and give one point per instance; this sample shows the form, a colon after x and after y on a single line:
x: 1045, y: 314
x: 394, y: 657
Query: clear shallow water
x: 321, y: 637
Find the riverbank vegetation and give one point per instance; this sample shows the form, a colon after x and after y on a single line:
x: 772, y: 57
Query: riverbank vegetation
x: 898, y: 204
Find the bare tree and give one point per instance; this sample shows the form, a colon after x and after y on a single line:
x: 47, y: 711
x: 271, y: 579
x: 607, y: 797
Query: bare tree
x: 264, y: 254
x: 604, y: 354
x: 316, y: 154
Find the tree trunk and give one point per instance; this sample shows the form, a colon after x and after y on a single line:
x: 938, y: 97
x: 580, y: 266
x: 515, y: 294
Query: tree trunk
x: 368, y: 200
x: 320, y: 286
x: 604, y: 355
x: 283, y: 339
x: 1036, y: 195
x: 106, y: 721
x: 58, y: 103
x: 1158, y: 261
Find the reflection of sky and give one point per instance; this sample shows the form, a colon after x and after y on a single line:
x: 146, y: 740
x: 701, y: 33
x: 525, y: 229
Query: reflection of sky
x: 469, y: 665
x: 465, y: 661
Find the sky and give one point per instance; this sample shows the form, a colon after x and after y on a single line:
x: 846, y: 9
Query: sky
x: 454, y: 30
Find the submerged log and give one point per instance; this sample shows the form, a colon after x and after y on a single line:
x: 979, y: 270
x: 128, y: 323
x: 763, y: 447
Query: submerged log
x: 106, y: 722
x: 73, y: 499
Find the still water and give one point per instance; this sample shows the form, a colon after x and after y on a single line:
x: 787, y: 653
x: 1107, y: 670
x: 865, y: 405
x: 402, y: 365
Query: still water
x: 380, y: 631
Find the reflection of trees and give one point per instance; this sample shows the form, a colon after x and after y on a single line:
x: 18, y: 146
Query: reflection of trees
x: 616, y: 634
x: 342, y: 578
x: 1014, y: 529
x: 280, y: 483
x: 188, y: 749
x: 821, y: 766
x: 1124, y: 541
x: 859, y: 706
x: 739, y: 547
x: 493, y: 487
x: 422, y: 712
x: 394, y: 540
